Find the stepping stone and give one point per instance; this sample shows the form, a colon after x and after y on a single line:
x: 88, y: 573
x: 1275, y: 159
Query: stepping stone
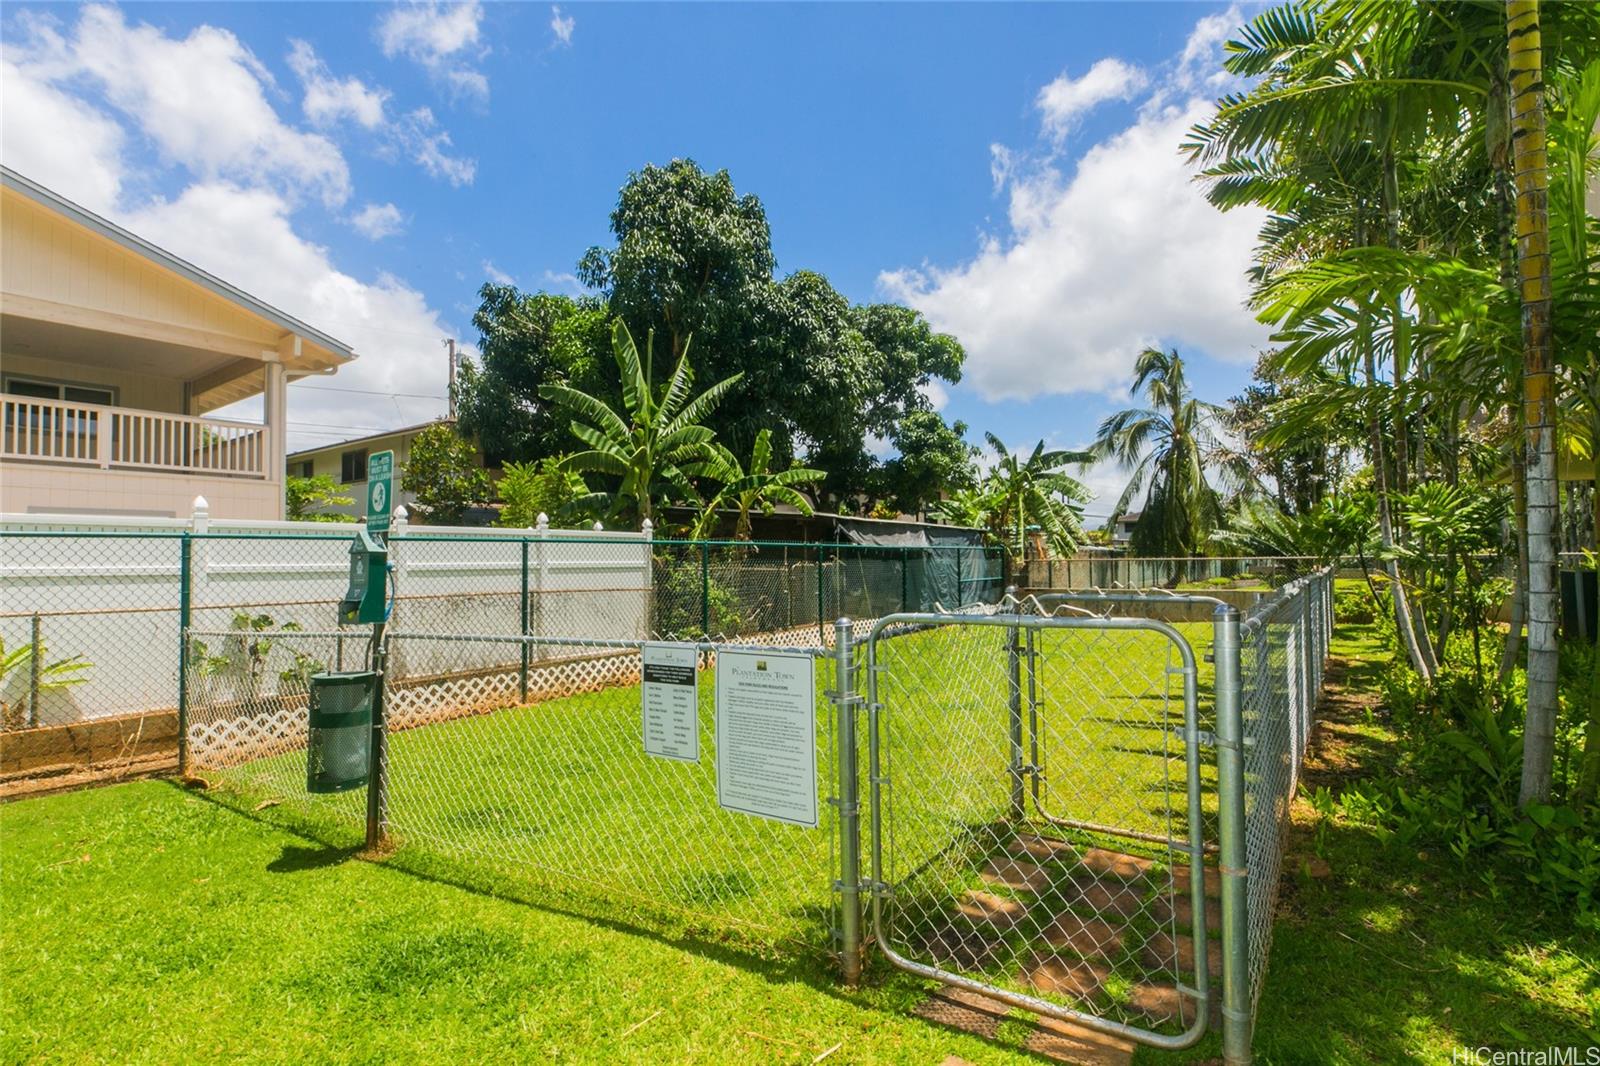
x: 1160, y: 952
x: 1115, y: 863
x: 1089, y: 937
x: 1179, y: 910
x: 1042, y: 847
x: 1080, y: 980
x: 993, y: 910
x: 1162, y: 1003
x: 1105, y: 897
x: 1017, y: 874
x: 953, y: 949
x: 1210, y: 874
x: 963, y: 1010
x: 1066, y: 1042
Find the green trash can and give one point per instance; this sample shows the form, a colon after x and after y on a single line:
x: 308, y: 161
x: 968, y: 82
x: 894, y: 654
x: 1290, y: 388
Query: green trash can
x: 340, y: 743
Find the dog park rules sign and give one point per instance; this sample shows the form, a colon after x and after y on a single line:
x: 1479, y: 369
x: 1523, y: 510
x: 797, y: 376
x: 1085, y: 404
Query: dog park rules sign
x: 766, y: 735
x: 671, y: 702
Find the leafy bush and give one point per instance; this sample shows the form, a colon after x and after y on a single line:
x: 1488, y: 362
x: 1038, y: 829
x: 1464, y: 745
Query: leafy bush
x: 1353, y: 606
x: 528, y: 490
x: 303, y: 496
x: 444, y: 474
x: 680, y: 588
x: 1455, y: 788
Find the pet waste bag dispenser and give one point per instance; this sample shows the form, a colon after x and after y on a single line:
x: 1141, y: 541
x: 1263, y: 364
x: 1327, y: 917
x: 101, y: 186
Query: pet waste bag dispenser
x: 342, y: 704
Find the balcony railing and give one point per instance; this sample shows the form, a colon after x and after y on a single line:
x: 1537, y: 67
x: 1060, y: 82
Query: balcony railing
x: 123, y: 438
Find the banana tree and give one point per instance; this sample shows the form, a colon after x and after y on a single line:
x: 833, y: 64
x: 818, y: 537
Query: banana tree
x: 656, y: 445
x: 753, y: 487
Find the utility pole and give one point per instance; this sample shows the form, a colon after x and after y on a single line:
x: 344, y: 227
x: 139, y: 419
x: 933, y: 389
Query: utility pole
x: 450, y: 342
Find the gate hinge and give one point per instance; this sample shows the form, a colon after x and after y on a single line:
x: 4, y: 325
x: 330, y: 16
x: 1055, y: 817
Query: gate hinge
x: 1204, y: 738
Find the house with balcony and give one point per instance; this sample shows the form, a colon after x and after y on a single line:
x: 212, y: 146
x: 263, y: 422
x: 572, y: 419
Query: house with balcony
x: 346, y: 463
x: 114, y: 354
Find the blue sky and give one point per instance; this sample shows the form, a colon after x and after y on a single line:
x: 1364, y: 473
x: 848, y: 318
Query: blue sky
x: 1012, y: 171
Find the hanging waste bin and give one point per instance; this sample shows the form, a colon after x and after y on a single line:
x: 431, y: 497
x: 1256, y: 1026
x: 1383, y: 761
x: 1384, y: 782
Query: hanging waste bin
x: 340, y: 742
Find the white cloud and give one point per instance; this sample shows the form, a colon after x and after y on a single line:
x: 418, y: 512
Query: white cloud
x: 443, y: 38
x: 85, y: 167
x: 420, y: 137
x: 936, y: 393
x: 1062, y: 101
x: 246, y: 236
x: 1121, y: 253
x: 496, y: 275
x: 240, y: 228
x: 202, y: 99
x: 329, y: 99
x: 561, y: 26
x: 377, y: 221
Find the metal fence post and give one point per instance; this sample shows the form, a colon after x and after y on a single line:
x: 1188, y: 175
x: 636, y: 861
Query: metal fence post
x: 822, y: 615
x: 185, y: 609
x: 957, y: 605
x: 378, y: 765
x: 904, y: 594
x: 1014, y: 709
x: 705, y: 589
x: 1234, y: 858
x: 35, y: 655
x: 523, y: 680
x: 849, y: 887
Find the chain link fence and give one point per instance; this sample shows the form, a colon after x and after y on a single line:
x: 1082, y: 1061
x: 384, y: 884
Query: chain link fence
x: 1037, y: 807
x: 1042, y: 823
x: 1283, y: 647
x: 1117, y: 571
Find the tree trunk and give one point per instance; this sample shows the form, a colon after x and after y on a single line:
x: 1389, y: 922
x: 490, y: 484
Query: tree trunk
x: 1538, y: 405
x: 1402, y: 608
x: 1512, y: 649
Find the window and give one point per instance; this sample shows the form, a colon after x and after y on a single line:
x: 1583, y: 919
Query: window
x: 353, y: 466
x: 61, y: 390
x: 303, y: 468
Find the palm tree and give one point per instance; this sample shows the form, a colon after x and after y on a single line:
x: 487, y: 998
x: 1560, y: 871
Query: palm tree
x: 1167, y: 444
x: 657, y: 444
x: 754, y: 487
x: 1021, y: 494
x: 1539, y: 399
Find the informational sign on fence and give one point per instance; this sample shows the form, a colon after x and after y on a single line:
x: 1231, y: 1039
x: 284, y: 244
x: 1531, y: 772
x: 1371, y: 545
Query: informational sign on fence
x: 671, y: 697
x: 766, y: 735
x: 380, y: 491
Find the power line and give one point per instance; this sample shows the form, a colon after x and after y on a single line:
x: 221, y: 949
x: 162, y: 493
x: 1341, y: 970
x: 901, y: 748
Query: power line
x: 369, y: 392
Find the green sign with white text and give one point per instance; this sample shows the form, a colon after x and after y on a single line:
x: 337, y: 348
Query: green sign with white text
x: 380, y: 491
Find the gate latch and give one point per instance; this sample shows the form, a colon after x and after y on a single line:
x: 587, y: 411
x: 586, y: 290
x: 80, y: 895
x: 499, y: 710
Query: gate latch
x: 1204, y: 738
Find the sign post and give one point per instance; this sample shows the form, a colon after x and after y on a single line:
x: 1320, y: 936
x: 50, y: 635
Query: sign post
x: 380, y: 491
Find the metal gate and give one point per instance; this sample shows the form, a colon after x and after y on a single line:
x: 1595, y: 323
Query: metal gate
x: 1035, y: 816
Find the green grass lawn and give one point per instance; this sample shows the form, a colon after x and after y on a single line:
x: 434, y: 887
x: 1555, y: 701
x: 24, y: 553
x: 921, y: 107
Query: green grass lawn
x: 144, y: 922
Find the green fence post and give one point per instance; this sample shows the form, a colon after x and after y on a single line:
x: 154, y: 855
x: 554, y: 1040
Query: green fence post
x: 1231, y: 829
x: 524, y: 599
x: 904, y: 588
x: 822, y: 615
x: 185, y: 609
x: 845, y: 701
x: 705, y: 589
x: 958, y: 604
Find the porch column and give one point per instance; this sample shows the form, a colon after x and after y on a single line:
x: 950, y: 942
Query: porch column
x: 274, y: 415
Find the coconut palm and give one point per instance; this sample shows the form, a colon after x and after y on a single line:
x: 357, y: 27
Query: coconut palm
x: 656, y: 445
x: 1167, y: 445
x: 754, y: 487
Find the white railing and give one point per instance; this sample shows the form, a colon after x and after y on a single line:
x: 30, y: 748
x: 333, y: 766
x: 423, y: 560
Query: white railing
x: 123, y: 438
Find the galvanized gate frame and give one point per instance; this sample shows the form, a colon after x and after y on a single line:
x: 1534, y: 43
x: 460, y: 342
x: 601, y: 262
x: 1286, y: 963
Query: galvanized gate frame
x: 1032, y: 624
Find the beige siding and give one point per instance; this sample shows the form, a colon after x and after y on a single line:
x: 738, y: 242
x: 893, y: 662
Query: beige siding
x: 47, y: 488
x: 143, y: 391
x: 44, y: 256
